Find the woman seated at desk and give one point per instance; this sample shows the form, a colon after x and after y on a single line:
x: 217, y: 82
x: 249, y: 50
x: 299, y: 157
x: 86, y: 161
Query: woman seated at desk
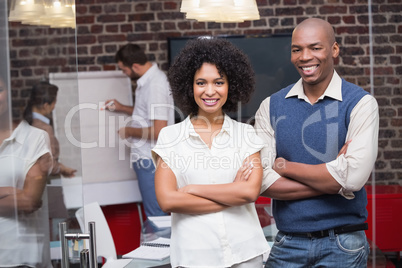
x: 208, y: 166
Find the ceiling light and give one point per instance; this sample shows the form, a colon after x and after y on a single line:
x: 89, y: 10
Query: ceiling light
x: 220, y: 10
x: 53, y: 13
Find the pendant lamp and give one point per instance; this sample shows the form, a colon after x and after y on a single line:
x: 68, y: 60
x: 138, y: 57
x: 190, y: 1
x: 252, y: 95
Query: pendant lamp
x: 53, y: 13
x: 23, y: 10
x: 60, y: 13
x: 220, y: 10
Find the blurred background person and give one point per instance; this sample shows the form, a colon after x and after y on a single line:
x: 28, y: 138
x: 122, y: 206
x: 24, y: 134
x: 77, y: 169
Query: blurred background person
x: 38, y: 114
x: 25, y: 162
x: 153, y: 110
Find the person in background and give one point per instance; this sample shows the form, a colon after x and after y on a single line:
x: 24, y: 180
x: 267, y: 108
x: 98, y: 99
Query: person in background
x: 25, y: 162
x: 38, y: 113
x: 208, y: 171
x: 321, y: 137
x: 153, y: 109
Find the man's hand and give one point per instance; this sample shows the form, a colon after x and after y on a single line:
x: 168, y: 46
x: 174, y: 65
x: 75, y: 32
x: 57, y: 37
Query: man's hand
x: 114, y: 106
x: 123, y: 133
x: 280, y: 163
x: 280, y: 166
x: 344, y: 148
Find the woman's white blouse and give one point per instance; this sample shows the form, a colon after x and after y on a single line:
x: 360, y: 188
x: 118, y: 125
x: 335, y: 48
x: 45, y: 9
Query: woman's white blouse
x: 22, y: 236
x: 218, y: 239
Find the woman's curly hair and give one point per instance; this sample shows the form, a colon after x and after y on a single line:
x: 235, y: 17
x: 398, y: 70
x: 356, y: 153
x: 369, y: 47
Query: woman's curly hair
x: 227, y: 58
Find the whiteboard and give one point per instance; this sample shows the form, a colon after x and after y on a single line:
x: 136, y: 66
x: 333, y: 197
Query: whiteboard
x: 88, y: 135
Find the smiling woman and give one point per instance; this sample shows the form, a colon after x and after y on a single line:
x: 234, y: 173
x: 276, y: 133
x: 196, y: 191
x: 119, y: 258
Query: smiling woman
x: 238, y: 71
x: 210, y: 90
x: 222, y: 174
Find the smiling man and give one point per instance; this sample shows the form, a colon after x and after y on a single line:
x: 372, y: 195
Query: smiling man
x: 321, y: 137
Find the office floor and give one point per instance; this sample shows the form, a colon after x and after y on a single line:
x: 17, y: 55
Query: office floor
x: 384, y: 260
x: 391, y: 261
x: 394, y: 263
x: 393, y: 258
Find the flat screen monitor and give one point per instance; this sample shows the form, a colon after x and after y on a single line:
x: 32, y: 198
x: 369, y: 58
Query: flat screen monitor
x: 270, y: 59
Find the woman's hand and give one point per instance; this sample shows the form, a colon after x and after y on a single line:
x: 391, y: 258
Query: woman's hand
x: 6, y: 191
x: 67, y: 171
x: 244, y: 172
x: 186, y: 189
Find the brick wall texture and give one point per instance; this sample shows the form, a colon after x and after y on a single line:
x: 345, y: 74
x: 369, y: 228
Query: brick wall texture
x: 104, y: 25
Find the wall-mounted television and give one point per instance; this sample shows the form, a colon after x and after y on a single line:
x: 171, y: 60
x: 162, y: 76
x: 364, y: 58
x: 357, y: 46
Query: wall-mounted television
x: 270, y: 59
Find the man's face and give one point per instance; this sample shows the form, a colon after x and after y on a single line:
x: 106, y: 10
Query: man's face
x: 313, y: 55
x: 128, y: 71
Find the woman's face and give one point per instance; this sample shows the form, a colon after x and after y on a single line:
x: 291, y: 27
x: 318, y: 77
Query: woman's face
x: 210, y: 90
x: 3, y: 98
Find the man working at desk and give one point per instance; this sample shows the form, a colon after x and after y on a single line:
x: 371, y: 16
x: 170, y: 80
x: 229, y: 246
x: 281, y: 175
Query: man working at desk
x: 153, y: 110
x: 322, y: 135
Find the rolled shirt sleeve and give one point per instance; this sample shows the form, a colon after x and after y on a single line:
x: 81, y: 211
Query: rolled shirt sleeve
x: 264, y: 130
x: 353, y: 169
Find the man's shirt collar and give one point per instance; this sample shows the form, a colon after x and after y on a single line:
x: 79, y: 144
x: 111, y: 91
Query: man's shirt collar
x: 334, y: 89
x: 148, y: 74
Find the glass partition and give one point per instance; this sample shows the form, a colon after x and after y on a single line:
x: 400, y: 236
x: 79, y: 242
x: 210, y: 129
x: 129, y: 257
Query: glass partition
x: 75, y: 57
x: 41, y: 181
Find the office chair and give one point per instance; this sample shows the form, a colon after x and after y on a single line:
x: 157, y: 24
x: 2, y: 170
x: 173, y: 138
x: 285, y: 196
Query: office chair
x: 104, y: 241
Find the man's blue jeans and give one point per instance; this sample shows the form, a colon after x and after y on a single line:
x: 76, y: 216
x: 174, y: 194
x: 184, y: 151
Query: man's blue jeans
x: 145, y: 170
x: 343, y: 250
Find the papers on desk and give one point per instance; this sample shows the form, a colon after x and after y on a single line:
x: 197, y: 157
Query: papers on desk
x: 158, y: 249
x: 161, y: 221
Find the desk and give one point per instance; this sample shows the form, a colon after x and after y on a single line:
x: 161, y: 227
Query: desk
x: 145, y: 263
x: 75, y: 191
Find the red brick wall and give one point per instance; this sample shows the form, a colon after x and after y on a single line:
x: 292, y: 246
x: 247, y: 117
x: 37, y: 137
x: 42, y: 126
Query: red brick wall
x: 104, y: 25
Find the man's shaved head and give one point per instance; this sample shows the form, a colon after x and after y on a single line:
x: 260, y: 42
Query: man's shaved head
x: 318, y: 23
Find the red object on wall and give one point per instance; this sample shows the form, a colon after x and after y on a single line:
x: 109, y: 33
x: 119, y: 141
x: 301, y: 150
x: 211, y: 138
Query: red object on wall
x: 125, y: 226
x: 385, y: 231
